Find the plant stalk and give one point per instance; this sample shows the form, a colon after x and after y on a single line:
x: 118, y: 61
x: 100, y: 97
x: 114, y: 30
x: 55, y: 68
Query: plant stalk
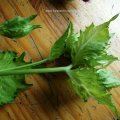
x: 34, y: 71
x: 27, y: 65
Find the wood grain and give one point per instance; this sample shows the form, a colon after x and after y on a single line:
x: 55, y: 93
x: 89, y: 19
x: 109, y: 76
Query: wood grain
x: 48, y: 99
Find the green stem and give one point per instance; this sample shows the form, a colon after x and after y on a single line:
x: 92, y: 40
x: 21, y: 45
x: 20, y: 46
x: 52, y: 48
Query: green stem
x: 27, y: 65
x: 33, y: 71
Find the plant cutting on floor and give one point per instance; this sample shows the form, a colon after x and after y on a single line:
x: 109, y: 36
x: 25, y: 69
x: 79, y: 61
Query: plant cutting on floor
x: 86, y: 52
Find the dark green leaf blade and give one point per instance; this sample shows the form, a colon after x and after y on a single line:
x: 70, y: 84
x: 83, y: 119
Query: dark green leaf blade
x: 73, y: 37
x: 59, y: 46
x: 11, y: 85
x: 18, y: 27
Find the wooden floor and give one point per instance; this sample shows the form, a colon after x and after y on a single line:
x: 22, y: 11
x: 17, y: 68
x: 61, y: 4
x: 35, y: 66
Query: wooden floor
x: 49, y: 98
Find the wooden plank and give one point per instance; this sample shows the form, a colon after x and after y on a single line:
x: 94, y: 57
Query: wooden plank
x: 41, y: 102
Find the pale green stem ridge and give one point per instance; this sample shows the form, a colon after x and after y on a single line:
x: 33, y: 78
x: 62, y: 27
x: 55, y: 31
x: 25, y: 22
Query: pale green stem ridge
x: 34, y: 71
x: 27, y: 65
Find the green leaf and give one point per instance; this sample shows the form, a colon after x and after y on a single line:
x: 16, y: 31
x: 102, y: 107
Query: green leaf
x: 107, y: 79
x: 73, y: 37
x: 59, y: 46
x: 86, y: 83
x: 18, y: 27
x: 102, y: 60
x: 91, y: 43
x: 11, y: 85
